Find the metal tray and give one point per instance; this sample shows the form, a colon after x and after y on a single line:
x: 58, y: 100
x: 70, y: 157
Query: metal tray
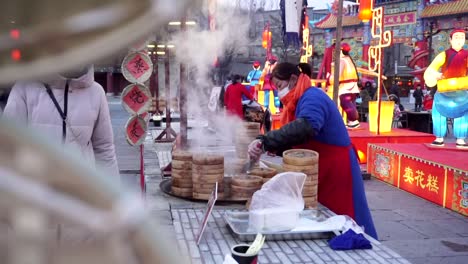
x: 238, y: 224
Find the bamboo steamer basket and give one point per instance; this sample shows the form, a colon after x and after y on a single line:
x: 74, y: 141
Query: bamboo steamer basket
x: 181, y: 173
x: 244, y: 186
x: 263, y: 172
x: 300, y: 157
x: 182, y: 155
x: 247, y: 181
x: 181, y: 164
x: 305, y: 161
x: 207, y: 159
x: 207, y: 169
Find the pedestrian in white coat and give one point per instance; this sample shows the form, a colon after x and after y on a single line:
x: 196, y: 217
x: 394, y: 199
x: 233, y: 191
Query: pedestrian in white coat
x: 70, y: 108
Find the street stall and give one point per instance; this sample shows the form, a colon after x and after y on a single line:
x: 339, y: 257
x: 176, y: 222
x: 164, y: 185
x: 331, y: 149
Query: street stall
x: 291, y: 232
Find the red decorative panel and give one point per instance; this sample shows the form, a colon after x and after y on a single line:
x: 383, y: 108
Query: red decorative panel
x: 383, y: 164
x: 457, y: 192
x: 426, y: 180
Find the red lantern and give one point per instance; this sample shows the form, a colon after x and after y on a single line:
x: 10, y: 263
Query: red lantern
x: 365, y: 10
x: 265, y: 38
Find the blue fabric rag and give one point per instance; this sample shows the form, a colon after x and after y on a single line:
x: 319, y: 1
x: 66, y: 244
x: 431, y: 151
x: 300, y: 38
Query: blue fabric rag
x: 349, y: 240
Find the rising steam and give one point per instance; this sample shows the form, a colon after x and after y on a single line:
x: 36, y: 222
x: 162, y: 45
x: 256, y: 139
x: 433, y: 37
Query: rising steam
x: 198, y: 49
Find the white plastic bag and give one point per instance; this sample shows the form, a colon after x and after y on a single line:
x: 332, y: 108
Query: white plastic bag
x: 276, y: 207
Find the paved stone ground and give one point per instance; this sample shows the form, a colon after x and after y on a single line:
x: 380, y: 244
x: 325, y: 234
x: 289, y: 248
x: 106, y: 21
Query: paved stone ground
x: 218, y: 240
x: 418, y: 230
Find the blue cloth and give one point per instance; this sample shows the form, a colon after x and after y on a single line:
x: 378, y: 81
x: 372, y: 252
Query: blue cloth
x: 349, y: 240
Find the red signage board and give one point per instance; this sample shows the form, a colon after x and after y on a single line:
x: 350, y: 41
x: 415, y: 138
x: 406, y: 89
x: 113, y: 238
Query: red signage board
x: 135, y: 130
x: 136, y: 99
x: 425, y: 180
x: 137, y: 67
x: 457, y: 191
x: 400, y: 19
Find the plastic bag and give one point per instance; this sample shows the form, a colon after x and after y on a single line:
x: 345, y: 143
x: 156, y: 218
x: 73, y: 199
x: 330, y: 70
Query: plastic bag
x: 276, y: 207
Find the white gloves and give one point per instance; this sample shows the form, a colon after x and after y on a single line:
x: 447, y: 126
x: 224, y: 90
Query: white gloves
x: 255, y: 149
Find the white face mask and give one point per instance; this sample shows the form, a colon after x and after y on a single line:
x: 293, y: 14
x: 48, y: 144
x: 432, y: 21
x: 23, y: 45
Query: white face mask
x: 283, y: 92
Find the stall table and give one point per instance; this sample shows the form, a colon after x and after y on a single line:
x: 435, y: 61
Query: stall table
x: 218, y: 239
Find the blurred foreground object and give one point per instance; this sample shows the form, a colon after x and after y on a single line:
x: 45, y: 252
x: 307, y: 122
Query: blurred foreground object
x: 42, y: 37
x: 56, y: 209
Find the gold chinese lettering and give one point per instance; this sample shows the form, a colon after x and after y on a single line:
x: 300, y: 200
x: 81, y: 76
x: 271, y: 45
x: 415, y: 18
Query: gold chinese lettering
x: 409, y: 176
x: 432, y: 184
x: 420, y: 179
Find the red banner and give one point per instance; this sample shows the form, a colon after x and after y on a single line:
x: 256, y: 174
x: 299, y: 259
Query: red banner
x: 383, y: 165
x: 400, y: 19
x: 457, y: 192
x: 423, y: 179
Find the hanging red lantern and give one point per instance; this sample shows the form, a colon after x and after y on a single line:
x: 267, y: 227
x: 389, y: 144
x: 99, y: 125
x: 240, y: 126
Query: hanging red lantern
x: 365, y: 10
x: 265, y: 39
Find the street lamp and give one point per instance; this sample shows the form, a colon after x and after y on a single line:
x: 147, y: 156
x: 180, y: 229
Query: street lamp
x: 428, y: 35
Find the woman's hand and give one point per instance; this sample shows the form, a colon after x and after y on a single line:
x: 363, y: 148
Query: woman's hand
x: 255, y: 149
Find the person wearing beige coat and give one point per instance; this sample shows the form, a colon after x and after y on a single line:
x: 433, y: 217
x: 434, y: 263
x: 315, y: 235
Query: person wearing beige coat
x: 88, y: 124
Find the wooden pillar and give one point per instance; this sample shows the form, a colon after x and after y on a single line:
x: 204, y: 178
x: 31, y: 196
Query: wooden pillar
x: 183, y: 98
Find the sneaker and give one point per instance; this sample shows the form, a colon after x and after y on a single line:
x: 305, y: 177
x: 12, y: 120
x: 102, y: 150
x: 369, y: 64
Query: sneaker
x: 461, y: 144
x: 353, y: 124
x: 437, y: 143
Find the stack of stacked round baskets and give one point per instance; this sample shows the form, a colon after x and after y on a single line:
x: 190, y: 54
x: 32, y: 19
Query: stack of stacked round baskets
x: 305, y: 161
x: 265, y: 173
x: 182, y: 173
x: 244, y: 135
x: 243, y: 186
x: 207, y: 169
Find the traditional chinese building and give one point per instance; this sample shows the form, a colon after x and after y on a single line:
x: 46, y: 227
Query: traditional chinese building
x: 435, y: 21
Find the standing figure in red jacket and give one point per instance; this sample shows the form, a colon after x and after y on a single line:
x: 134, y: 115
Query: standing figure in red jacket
x: 233, y: 97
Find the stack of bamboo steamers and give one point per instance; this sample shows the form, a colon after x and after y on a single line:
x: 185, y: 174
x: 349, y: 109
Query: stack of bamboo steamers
x: 207, y: 169
x: 195, y: 175
x: 305, y: 161
x: 182, y: 173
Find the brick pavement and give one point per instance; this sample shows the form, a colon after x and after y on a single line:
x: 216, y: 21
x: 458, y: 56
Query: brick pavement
x: 217, y: 241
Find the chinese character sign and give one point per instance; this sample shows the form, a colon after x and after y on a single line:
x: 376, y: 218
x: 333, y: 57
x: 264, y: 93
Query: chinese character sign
x: 424, y: 180
x: 135, y: 130
x: 137, y: 67
x: 136, y: 99
x: 400, y: 19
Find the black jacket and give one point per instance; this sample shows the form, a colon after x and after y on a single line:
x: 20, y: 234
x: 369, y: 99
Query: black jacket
x: 294, y: 133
